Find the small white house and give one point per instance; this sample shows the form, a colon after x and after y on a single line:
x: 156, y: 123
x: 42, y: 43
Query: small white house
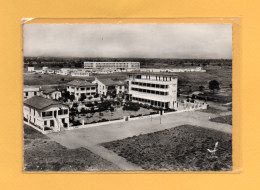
x: 30, y: 69
x: 46, y: 114
x: 51, y: 93
x: 30, y: 91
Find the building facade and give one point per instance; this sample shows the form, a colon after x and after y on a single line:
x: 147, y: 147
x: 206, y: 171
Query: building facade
x: 46, y: 114
x: 107, y: 86
x: 79, y: 87
x: 51, y: 94
x: 156, y: 89
x: 30, y: 91
x: 95, y: 66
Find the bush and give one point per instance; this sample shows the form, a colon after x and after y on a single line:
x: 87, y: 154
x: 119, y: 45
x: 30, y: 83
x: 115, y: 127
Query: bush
x: 131, y: 106
x: 75, y: 105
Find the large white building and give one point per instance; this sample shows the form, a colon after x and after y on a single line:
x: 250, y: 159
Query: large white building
x: 156, y: 89
x: 79, y: 87
x: 95, y: 66
x: 45, y: 113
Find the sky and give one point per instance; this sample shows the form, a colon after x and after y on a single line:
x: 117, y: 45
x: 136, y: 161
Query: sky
x: 201, y: 41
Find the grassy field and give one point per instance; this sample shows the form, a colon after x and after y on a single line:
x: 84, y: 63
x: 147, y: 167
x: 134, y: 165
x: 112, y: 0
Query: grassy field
x: 193, y: 79
x: 182, y: 148
x: 223, y: 76
x: 223, y: 119
x: 43, y: 154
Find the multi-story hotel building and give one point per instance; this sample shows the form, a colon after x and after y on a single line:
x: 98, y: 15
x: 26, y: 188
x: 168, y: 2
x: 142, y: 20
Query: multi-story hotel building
x: 156, y: 89
x: 79, y: 87
x: 95, y: 66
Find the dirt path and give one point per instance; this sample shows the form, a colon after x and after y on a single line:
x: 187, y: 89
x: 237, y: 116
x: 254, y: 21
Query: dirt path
x: 110, y: 156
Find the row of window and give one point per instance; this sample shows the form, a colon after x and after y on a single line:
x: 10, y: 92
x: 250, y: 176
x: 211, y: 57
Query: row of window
x: 152, y: 102
x: 92, y: 93
x: 86, y: 88
x: 50, y: 113
x: 158, y: 78
x: 150, y: 85
x: 150, y: 91
x: 26, y: 94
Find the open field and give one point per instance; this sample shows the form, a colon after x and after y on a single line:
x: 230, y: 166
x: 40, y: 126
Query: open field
x: 223, y: 119
x: 196, y: 79
x: 44, y: 154
x: 177, y: 149
x: 186, y: 79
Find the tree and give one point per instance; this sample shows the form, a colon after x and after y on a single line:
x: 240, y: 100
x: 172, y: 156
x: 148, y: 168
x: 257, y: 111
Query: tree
x: 72, y: 97
x: 82, y: 97
x: 214, y: 85
x: 66, y: 95
x: 201, y: 88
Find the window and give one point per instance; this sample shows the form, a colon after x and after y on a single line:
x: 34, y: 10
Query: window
x: 45, y: 122
x: 93, y: 88
x: 82, y: 89
x: 88, y: 88
x: 26, y: 93
x: 47, y: 114
x: 35, y: 93
x: 66, y: 111
x: 60, y: 112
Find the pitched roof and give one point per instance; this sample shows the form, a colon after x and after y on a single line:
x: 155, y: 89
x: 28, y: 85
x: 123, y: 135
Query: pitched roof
x: 39, y: 102
x: 50, y: 90
x: 80, y: 83
x: 109, y: 82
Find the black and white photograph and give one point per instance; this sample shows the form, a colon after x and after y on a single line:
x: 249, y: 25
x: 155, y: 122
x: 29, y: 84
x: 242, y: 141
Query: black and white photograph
x: 127, y: 97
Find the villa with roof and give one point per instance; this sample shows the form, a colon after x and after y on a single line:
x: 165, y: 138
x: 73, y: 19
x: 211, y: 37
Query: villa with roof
x: 46, y: 113
x: 51, y: 93
x: 107, y: 86
x: 79, y: 87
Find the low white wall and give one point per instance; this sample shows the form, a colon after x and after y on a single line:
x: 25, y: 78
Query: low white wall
x: 95, y: 124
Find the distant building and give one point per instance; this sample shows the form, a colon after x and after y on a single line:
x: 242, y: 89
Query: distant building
x: 30, y: 69
x: 95, y: 66
x: 79, y: 87
x: 80, y: 74
x: 46, y: 114
x: 30, y: 91
x: 107, y: 86
x: 156, y: 89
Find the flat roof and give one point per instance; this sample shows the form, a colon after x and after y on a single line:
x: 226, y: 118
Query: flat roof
x: 152, y: 73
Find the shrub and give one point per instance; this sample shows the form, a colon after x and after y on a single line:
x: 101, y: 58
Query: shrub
x: 131, y: 106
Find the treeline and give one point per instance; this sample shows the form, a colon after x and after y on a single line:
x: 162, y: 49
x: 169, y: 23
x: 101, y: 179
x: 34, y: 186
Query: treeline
x: 78, y: 62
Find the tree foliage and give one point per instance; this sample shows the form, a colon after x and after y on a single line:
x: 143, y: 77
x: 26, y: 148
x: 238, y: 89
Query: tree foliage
x: 214, y: 85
